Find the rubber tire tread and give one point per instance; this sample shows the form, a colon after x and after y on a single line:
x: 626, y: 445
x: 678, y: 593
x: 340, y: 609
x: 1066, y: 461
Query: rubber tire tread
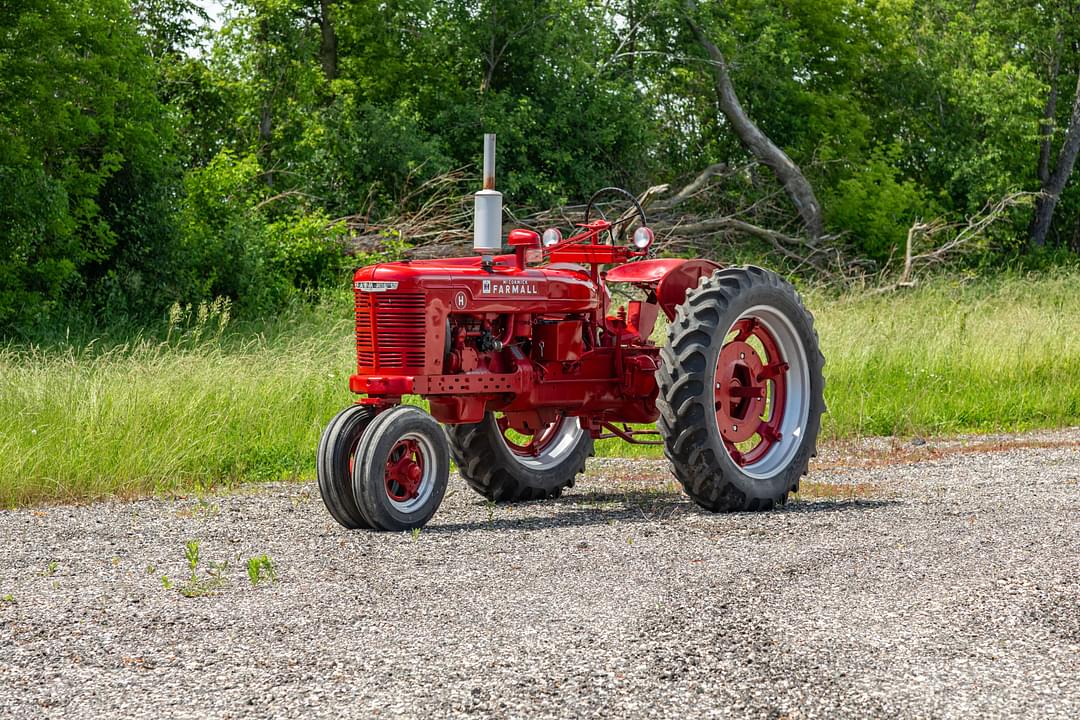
x: 368, y: 485
x: 691, y: 439
x: 488, y: 467
x: 339, y: 440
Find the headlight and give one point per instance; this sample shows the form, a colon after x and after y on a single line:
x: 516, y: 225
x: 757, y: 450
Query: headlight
x: 643, y: 238
x: 552, y: 237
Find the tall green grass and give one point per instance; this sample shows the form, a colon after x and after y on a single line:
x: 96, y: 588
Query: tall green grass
x: 999, y: 354
x: 204, y: 408
x: 210, y: 403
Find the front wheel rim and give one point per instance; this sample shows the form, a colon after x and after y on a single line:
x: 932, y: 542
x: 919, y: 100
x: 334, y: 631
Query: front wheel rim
x: 761, y: 385
x: 409, y: 474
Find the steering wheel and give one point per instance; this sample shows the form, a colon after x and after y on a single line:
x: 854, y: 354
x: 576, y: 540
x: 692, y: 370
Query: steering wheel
x: 622, y: 222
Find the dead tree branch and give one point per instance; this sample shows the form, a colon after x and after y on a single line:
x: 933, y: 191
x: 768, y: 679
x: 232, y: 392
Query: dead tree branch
x: 960, y: 237
x: 693, y: 188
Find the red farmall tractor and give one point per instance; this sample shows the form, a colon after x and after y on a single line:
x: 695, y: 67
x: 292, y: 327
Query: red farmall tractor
x: 525, y: 360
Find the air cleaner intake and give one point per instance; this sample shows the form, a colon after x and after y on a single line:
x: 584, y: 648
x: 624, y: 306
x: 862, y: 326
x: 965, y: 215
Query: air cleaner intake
x: 487, y: 231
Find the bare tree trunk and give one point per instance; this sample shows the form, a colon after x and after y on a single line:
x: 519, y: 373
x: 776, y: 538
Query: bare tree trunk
x: 1046, y: 128
x: 266, y: 107
x: 328, y: 47
x: 1053, y: 186
x: 492, y: 58
x: 795, y: 184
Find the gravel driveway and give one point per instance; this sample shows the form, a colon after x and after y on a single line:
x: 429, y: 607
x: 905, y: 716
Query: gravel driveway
x: 929, y: 581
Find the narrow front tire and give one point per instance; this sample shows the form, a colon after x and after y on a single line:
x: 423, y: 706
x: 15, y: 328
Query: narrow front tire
x: 334, y: 462
x: 403, y: 466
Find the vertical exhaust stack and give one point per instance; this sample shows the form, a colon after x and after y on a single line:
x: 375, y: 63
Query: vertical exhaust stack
x: 487, y: 231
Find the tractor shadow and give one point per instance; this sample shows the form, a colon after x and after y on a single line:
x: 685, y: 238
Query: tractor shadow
x: 630, y: 506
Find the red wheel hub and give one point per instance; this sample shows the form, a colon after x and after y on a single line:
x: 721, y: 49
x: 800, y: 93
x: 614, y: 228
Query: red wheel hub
x: 404, y: 471
x: 537, y: 442
x: 751, y: 388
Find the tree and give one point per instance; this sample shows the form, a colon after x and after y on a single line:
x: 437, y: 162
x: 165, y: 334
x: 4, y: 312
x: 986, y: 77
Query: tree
x: 764, y: 149
x: 1062, y: 58
x: 328, y: 47
x: 1054, y: 183
x: 170, y: 27
x: 84, y: 157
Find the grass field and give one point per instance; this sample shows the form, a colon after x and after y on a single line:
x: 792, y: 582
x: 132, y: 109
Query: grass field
x: 213, y: 404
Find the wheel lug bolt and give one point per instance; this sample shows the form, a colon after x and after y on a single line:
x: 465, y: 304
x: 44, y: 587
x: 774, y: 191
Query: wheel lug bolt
x: 734, y: 428
x: 742, y: 356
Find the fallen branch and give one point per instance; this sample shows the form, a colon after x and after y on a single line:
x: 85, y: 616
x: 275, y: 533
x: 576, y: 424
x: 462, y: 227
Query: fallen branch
x: 693, y: 188
x: 436, y: 220
x: 963, y: 233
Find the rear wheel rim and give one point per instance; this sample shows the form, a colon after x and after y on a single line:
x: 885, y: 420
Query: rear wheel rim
x: 546, y: 448
x: 409, y: 475
x: 761, y: 390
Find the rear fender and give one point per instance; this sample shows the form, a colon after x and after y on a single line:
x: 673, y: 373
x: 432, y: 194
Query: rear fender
x: 668, y: 278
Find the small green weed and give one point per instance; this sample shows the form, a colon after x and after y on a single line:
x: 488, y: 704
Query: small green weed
x: 191, y: 553
x: 259, y: 568
x: 217, y: 570
x: 415, y: 534
x: 201, y: 587
x: 51, y: 568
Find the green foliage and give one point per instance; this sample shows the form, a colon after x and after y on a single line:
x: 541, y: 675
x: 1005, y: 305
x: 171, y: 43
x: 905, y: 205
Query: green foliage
x: 232, y: 249
x: 191, y: 554
x: 222, y: 237
x: 79, y: 119
x: 260, y: 568
x: 307, y: 251
x: 195, y: 586
x: 361, y: 157
x: 147, y: 158
x: 167, y: 25
x: 876, y: 206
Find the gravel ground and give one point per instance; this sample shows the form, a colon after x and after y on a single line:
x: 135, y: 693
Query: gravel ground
x: 922, y: 580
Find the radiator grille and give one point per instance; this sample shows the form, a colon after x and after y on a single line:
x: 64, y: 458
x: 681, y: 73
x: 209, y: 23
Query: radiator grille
x: 390, y: 330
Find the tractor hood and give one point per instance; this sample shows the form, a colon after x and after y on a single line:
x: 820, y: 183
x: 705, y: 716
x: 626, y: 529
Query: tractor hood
x: 464, y: 285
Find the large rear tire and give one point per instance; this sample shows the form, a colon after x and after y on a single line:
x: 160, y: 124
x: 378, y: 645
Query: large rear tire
x: 741, y: 391
x: 335, y: 458
x: 505, y: 467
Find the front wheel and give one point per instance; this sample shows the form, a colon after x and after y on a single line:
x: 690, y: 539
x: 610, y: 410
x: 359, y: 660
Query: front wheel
x: 335, y: 459
x: 402, y: 468
x: 741, y: 391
